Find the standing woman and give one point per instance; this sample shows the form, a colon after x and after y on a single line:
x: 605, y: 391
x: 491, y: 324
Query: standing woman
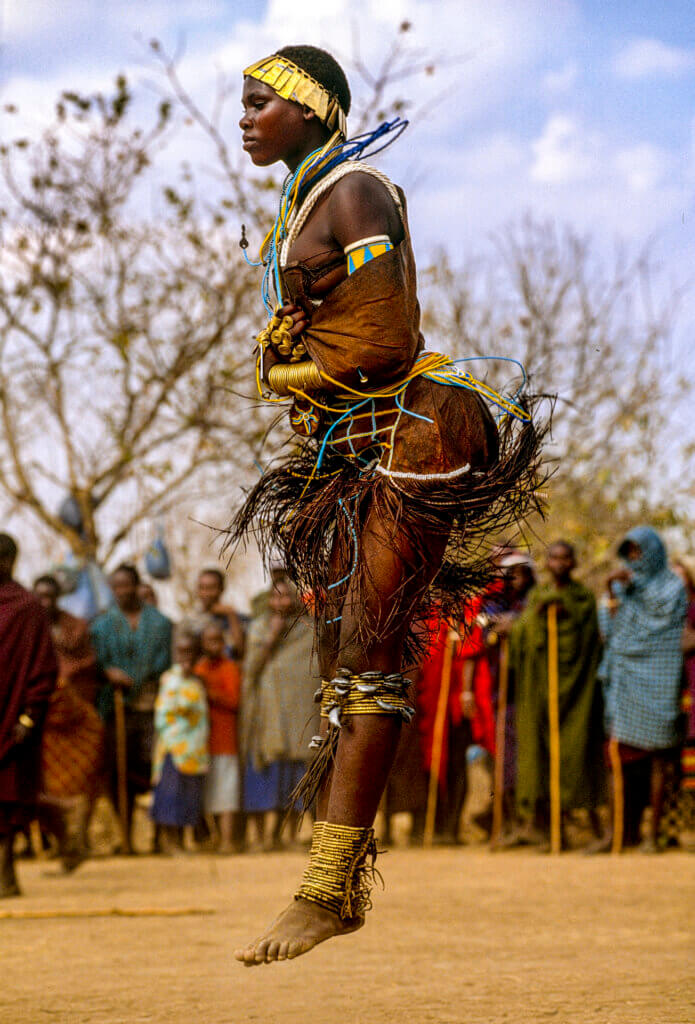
x: 400, y: 459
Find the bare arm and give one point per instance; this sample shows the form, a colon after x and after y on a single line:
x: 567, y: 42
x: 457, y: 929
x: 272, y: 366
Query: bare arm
x: 360, y: 207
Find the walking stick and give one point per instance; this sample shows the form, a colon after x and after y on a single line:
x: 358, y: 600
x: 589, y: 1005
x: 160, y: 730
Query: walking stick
x: 438, y: 736
x: 121, y: 765
x: 618, y: 796
x: 500, y: 740
x: 554, y: 727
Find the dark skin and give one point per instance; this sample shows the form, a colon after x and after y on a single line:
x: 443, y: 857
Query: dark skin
x: 357, y: 206
x: 210, y: 592
x: 560, y: 564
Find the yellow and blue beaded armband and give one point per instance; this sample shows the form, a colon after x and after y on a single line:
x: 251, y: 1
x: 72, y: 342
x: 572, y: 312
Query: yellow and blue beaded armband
x: 366, y: 249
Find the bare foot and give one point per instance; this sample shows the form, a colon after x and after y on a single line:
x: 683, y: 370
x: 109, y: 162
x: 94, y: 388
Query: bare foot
x: 299, y: 928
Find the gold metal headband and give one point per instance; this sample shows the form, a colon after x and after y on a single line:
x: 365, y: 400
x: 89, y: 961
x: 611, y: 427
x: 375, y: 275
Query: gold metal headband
x: 290, y: 82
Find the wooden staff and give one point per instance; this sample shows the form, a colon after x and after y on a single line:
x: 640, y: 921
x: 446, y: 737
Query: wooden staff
x: 500, y: 740
x: 554, y: 728
x: 438, y: 735
x: 618, y: 796
x: 36, y: 840
x: 121, y: 765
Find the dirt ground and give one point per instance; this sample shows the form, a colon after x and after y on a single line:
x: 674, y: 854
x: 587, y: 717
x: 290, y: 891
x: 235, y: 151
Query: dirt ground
x: 459, y: 935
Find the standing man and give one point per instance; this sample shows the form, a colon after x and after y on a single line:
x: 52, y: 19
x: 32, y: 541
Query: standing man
x: 641, y: 671
x: 28, y: 673
x: 581, y: 730
x: 133, y: 647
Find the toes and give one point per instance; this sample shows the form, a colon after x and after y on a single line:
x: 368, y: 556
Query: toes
x: 283, y: 951
x: 261, y: 951
x: 247, y: 956
x: 272, y: 952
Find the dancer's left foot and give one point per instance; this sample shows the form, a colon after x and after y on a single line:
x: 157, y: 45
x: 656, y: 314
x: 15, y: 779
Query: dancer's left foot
x: 299, y: 928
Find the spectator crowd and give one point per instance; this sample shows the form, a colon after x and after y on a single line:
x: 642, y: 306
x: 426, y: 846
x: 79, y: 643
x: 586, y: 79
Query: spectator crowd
x: 213, y: 718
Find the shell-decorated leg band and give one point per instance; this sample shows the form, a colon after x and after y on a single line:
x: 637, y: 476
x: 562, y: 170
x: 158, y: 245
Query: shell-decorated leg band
x: 341, y: 869
x: 348, y: 694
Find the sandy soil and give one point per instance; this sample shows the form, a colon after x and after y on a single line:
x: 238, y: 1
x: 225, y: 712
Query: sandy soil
x: 460, y: 935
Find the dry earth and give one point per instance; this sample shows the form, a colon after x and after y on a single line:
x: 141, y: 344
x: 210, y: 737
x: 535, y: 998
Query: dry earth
x: 460, y: 935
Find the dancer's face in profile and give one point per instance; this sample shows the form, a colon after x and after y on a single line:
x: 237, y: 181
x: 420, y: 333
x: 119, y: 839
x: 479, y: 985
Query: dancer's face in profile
x: 273, y: 129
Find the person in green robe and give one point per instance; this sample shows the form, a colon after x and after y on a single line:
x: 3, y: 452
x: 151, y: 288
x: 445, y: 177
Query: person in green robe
x: 582, y: 781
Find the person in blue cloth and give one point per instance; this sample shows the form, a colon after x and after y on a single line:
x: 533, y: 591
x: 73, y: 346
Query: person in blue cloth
x: 642, y: 624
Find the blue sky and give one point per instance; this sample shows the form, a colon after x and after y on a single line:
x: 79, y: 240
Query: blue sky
x: 579, y: 109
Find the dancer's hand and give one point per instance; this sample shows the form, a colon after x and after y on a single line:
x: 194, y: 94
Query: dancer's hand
x: 301, y: 320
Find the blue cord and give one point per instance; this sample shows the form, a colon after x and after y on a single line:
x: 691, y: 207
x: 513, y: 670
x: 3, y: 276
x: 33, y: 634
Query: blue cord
x: 355, y: 542
x: 411, y: 413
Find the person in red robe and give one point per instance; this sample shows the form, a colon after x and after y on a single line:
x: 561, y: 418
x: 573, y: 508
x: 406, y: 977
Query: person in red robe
x: 28, y: 673
x: 73, y: 732
x: 472, y: 701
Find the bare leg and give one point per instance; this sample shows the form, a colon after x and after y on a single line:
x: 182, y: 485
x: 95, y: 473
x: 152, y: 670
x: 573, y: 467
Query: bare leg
x: 172, y: 840
x: 657, y: 789
x: 9, y: 886
x: 225, y: 825
x: 399, y: 572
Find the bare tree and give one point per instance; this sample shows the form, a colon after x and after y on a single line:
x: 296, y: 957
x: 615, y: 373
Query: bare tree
x: 120, y: 333
x: 596, y: 333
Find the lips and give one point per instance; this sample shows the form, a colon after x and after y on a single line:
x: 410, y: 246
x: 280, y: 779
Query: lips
x: 247, y: 141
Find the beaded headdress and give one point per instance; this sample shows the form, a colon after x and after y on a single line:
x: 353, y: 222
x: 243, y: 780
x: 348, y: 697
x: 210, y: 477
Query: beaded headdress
x: 291, y: 82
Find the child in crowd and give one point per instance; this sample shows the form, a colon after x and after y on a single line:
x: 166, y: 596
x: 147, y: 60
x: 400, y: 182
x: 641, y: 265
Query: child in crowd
x: 222, y: 683
x: 181, y: 759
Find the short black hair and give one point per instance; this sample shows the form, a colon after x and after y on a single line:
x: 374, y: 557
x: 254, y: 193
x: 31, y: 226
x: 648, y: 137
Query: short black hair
x: 130, y: 569
x: 8, y: 548
x: 48, y: 580
x: 569, y: 548
x: 217, y: 573
x: 185, y: 634
x: 322, y: 66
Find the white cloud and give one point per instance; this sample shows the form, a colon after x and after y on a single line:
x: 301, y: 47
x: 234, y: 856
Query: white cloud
x: 561, y: 80
x: 642, y: 167
x: 644, y: 58
x: 564, y: 152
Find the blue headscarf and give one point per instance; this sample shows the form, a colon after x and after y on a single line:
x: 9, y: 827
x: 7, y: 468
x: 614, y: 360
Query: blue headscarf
x: 642, y: 663
x: 653, y: 587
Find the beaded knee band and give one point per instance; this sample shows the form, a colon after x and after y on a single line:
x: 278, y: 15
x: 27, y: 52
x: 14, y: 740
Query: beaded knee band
x: 341, y: 867
x: 369, y: 693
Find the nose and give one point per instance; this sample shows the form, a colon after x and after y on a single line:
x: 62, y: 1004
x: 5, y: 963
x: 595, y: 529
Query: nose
x: 245, y: 121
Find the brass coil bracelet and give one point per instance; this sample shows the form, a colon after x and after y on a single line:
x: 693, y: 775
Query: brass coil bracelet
x: 296, y: 376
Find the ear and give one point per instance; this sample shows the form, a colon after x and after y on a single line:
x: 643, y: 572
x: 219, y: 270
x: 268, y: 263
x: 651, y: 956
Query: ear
x: 308, y: 114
